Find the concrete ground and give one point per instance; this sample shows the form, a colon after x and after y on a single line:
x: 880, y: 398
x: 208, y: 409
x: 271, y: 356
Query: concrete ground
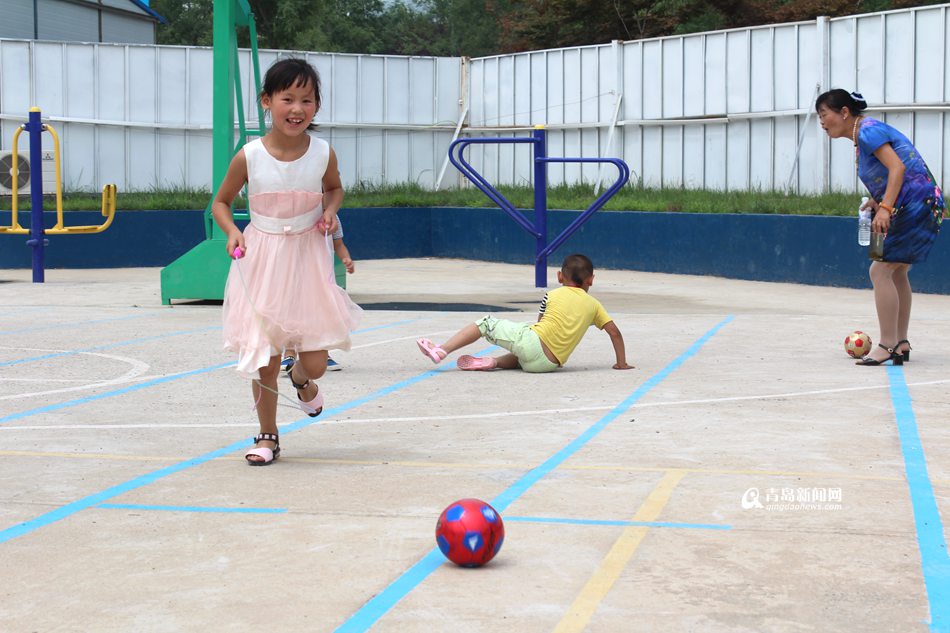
x: 746, y: 476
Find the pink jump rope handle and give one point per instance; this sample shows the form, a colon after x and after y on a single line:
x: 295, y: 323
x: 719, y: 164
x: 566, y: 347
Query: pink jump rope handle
x: 237, y: 253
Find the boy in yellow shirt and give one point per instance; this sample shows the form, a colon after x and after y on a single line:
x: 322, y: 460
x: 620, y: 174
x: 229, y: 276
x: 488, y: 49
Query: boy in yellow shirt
x: 563, y: 319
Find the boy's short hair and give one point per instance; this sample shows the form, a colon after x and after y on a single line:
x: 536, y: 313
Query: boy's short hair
x: 577, y: 268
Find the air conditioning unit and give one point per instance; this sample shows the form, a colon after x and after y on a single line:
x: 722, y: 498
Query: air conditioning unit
x: 24, y: 171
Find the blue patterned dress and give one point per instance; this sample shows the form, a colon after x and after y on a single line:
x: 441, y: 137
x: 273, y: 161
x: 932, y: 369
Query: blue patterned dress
x: 920, y: 206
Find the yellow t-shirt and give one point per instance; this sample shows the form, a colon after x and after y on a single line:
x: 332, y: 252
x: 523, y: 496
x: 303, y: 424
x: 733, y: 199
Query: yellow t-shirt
x: 566, y: 313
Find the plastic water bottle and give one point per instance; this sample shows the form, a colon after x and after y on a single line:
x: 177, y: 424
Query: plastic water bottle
x: 864, y: 223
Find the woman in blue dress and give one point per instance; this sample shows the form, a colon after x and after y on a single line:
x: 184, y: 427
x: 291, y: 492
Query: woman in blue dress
x: 907, y: 208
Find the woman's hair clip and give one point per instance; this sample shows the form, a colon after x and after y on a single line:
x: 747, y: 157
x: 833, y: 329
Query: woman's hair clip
x: 857, y: 96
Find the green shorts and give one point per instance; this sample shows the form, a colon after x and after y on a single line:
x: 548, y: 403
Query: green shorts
x: 520, y: 340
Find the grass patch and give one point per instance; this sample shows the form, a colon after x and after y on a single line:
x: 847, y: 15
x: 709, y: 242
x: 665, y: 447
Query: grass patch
x: 579, y: 197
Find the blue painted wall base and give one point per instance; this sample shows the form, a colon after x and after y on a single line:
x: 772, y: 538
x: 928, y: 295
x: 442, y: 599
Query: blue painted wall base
x: 799, y: 249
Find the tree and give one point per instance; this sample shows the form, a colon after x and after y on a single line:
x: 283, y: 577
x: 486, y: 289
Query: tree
x: 540, y: 24
x: 353, y: 26
x: 350, y: 26
x: 478, y: 28
x: 467, y: 27
x: 189, y: 23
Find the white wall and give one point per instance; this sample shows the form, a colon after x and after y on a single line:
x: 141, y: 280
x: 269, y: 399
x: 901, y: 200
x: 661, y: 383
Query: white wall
x: 140, y: 116
x: 718, y: 110
x: 726, y: 110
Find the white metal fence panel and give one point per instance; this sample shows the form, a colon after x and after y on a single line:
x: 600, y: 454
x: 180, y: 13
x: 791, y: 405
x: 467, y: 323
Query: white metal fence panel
x: 733, y: 109
x: 685, y: 101
x: 900, y: 62
x: 141, y: 116
x: 719, y: 110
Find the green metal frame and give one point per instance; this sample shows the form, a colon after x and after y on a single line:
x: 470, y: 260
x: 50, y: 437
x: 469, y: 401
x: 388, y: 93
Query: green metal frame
x: 201, y: 272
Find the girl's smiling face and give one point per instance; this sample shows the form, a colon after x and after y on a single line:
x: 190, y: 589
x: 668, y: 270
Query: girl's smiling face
x: 292, y: 109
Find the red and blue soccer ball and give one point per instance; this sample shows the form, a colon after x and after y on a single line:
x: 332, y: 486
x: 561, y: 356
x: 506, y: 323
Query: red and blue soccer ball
x: 469, y: 532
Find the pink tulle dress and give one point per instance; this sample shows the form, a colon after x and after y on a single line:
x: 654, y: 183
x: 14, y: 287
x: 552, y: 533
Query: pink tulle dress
x: 291, y: 299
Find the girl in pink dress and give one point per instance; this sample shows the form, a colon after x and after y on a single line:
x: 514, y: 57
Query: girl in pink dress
x: 281, y: 293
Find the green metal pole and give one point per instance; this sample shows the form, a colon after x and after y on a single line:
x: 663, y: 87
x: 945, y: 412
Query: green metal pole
x: 252, y: 28
x: 239, y: 102
x: 201, y: 272
x: 222, y: 145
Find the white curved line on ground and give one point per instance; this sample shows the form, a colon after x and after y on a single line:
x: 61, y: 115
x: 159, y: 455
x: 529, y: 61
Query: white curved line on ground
x: 133, y: 374
x: 482, y: 415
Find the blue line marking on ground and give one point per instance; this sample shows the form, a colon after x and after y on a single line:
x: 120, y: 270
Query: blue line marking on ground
x: 505, y: 499
x: 598, y: 522
x: 377, y: 607
x: 101, y: 497
x: 157, y: 337
x: 69, y: 509
x: 108, y: 346
x: 352, y: 404
x: 382, y: 602
x: 934, y: 561
x: 149, y: 383
x: 109, y: 394
x: 148, y: 508
x: 55, y: 326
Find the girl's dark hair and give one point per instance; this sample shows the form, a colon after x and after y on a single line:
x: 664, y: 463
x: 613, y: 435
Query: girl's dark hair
x: 578, y: 268
x: 291, y: 71
x: 838, y: 98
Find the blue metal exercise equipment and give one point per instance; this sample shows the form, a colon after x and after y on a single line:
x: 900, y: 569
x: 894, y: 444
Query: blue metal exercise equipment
x: 539, y: 229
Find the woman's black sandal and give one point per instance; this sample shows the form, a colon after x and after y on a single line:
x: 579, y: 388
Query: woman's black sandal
x: 905, y: 354
x: 895, y: 358
x: 267, y: 455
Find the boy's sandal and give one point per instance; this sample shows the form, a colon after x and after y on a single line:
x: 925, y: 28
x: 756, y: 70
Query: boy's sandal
x: 430, y: 349
x: 314, y: 407
x: 267, y: 455
x: 476, y: 363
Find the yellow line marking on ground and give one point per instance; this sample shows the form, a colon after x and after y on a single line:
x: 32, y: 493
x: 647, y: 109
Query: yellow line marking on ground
x: 100, y: 456
x: 741, y: 471
x: 601, y: 581
x: 616, y: 468
x: 408, y: 464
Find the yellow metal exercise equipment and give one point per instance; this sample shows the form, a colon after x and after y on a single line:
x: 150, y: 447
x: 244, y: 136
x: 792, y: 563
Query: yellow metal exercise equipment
x: 35, y: 127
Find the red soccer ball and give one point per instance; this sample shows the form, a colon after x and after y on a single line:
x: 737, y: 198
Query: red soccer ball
x: 469, y: 532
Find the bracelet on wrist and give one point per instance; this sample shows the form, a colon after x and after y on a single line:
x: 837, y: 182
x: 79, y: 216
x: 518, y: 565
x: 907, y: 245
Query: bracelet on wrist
x: 886, y: 207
